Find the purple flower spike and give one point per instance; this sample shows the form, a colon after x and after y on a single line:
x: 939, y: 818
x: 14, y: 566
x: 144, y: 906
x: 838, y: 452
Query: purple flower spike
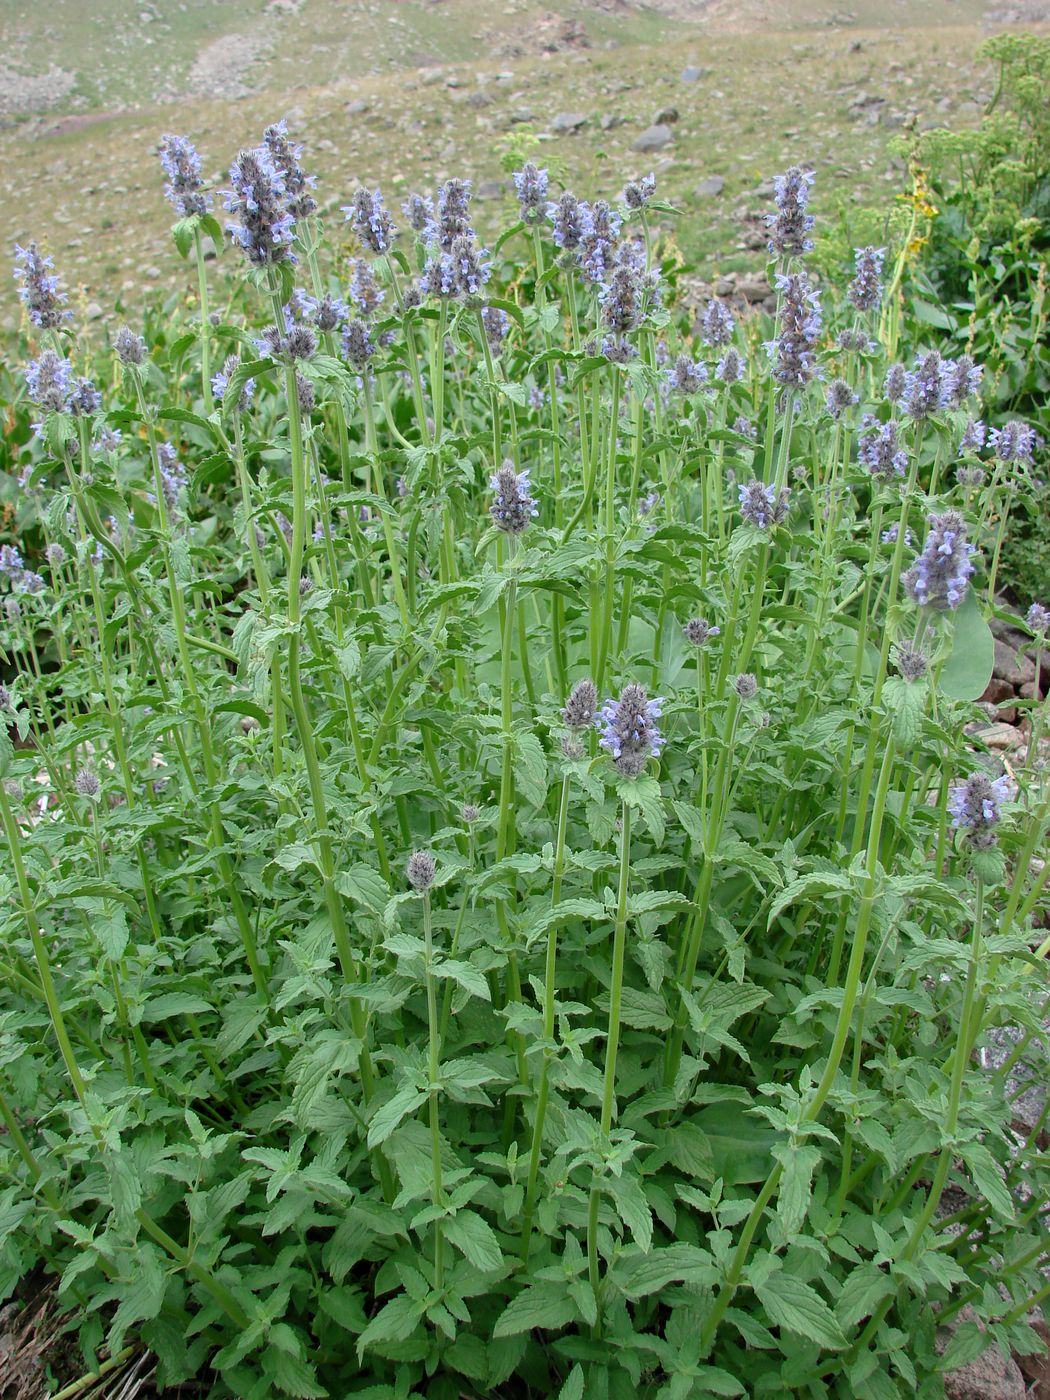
x: 629, y: 730
x: 940, y: 576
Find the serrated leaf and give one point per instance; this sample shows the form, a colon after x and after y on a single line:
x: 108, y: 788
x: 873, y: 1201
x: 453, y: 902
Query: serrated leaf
x: 546, y: 1305
x: 798, y: 1308
x: 111, y: 930
x: 988, y: 1178
x: 388, y: 1115
x: 864, y: 1289
x: 174, y: 1004
x: 799, y: 1161
x: 465, y: 975
x: 638, y: 1275
x: 475, y: 1239
x: 632, y: 1208
x: 395, y: 1322
x: 573, y: 1387
x: 364, y: 886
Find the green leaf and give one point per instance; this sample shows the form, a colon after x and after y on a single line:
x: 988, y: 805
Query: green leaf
x: 573, y: 1387
x: 638, y: 1275
x: 174, y: 1004
x: 632, y: 1208
x: 796, y: 1184
x: 531, y: 774
x: 393, y: 1323
x: 545, y: 1305
x: 988, y: 1178
x: 182, y: 233
x: 465, y: 975
x: 864, y: 1289
x: 969, y: 1341
x: 644, y: 793
x: 968, y: 669
x: 689, y: 1148
x: 475, y: 1239
x: 111, y: 930
x: 798, y: 1308
x: 292, y: 1374
x: 365, y: 886
x: 388, y: 1115
x: 826, y: 882
x: 741, y: 1146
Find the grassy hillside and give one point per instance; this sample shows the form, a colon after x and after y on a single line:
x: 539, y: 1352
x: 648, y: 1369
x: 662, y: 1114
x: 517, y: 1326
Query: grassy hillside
x: 408, y: 91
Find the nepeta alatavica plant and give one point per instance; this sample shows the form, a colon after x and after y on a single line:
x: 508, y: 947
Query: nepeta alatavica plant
x: 500, y: 897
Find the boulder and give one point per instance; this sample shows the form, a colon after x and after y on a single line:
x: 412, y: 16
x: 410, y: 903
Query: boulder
x: 710, y: 188
x: 569, y: 121
x: 752, y: 288
x: 1010, y: 665
x: 654, y: 138
x: 666, y: 116
x: 992, y: 1376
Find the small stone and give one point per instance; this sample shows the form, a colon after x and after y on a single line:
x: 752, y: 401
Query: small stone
x: 93, y: 311
x: 693, y: 74
x: 489, y: 189
x: 611, y: 120
x: 152, y: 273
x: 765, y: 190
x: 357, y: 108
x: 999, y: 736
x: 997, y: 691
x: 666, y: 116
x: 569, y: 121
x: 654, y: 138
x: 710, y: 188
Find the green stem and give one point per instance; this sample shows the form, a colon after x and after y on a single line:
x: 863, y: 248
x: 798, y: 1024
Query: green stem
x: 612, y: 1044
x: 549, y: 983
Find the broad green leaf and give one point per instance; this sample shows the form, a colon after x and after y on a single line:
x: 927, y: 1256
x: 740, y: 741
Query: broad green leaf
x: 389, y: 1115
x: 395, y: 1322
x: 174, y: 1004
x: 546, y: 1305
x: 364, y: 886
x: 798, y: 1307
x: 968, y: 669
x: 799, y: 1161
x: 741, y: 1145
x: 573, y: 1387
x: 637, y: 1275
x: 475, y: 1239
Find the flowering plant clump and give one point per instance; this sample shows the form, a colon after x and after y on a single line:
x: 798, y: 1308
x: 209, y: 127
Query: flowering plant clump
x: 502, y: 890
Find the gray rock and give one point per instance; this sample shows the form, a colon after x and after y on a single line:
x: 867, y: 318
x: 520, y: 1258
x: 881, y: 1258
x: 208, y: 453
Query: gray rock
x: 752, y: 288
x: 489, y: 189
x: 654, y: 138
x: 765, y: 190
x: 666, y: 116
x: 1011, y: 666
x: 693, y: 74
x: 611, y: 120
x: 93, y: 311
x: 152, y: 273
x: 992, y: 1376
x: 710, y: 188
x: 569, y: 121
x: 357, y: 108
